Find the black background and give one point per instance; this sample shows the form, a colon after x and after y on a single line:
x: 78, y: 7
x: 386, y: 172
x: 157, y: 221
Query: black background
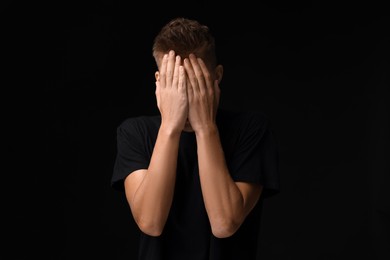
x: 319, y: 70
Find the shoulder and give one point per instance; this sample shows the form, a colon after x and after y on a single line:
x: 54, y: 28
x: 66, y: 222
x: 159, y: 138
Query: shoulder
x: 139, y: 124
x: 248, y: 120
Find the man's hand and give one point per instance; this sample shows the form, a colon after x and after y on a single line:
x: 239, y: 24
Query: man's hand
x: 203, y: 94
x: 171, y: 93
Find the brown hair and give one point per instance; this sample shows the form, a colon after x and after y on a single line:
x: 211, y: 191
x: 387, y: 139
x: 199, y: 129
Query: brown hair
x: 186, y: 36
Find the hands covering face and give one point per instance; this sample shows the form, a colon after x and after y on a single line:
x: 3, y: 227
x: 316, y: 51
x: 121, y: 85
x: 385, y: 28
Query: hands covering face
x: 186, y: 91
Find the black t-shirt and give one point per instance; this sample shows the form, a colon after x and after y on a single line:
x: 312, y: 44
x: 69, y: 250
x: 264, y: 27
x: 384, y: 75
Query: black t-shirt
x: 251, y: 154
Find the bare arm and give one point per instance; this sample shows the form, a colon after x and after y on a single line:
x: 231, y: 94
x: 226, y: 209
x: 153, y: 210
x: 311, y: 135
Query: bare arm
x: 227, y: 202
x: 150, y: 192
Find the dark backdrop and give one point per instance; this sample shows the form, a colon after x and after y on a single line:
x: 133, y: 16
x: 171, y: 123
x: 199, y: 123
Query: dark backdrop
x: 319, y: 70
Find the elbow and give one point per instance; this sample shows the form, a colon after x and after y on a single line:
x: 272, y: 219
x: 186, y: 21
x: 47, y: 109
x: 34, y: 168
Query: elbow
x: 224, y: 228
x: 150, y: 228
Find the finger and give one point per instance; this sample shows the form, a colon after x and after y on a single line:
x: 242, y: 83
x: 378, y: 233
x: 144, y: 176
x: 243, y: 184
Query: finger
x: 157, y: 93
x: 170, y: 68
x: 201, y: 83
x: 191, y: 75
x: 162, y: 75
x: 176, y: 72
x: 182, y: 80
x: 209, y: 83
x: 189, y: 89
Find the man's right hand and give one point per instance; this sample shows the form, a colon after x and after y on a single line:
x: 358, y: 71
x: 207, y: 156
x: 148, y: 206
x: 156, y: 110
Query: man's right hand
x: 171, y: 93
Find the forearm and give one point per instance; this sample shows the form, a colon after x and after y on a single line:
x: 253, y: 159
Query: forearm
x: 223, y: 200
x: 153, y: 198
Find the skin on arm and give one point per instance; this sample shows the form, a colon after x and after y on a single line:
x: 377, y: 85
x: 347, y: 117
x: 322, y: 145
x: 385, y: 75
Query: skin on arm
x: 149, y: 192
x: 227, y: 202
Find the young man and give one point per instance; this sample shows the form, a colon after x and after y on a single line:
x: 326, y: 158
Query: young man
x: 194, y: 176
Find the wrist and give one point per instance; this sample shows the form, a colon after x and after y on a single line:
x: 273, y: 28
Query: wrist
x: 169, y: 131
x: 206, y: 130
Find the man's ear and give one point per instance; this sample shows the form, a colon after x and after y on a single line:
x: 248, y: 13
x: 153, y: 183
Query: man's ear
x: 219, y: 73
x: 157, y: 75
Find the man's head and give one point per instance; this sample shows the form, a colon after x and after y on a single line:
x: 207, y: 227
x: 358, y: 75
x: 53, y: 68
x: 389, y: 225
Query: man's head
x: 186, y: 36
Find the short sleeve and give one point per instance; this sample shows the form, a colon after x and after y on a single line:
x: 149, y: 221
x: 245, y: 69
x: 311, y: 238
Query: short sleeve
x: 269, y: 168
x: 131, y: 154
x: 256, y: 157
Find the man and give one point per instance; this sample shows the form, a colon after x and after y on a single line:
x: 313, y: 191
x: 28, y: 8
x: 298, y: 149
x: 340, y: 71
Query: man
x: 194, y: 176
